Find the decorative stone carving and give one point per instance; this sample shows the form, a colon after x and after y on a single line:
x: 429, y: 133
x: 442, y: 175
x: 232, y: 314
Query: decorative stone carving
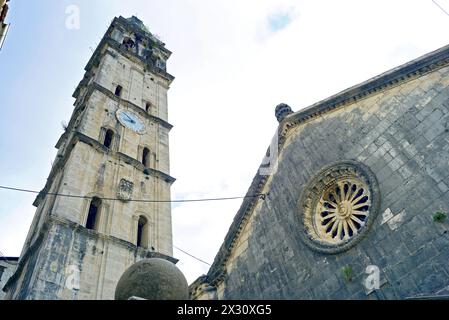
x: 338, y: 206
x: 125, y: 190
x: 282, y: 110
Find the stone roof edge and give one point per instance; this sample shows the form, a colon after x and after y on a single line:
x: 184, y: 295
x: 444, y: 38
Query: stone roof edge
x: 403, y: 73
x: 9, y: 258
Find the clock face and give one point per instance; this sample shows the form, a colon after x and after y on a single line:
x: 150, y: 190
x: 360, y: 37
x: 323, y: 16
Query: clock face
x: 131, y: 121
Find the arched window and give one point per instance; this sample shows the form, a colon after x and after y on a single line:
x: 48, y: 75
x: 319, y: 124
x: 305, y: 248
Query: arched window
x: 94, y: 214
x: 118, y: 91
x: 142, y: 232
x: 108, y: 138
x: 129, y: 43
x: 148, y: 107
x: 146, y: 157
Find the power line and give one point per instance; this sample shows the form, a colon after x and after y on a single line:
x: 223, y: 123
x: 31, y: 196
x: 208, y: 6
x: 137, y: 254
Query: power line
x: 183, y: 251
x: 260, y: 195
x: 439, y: 6
x: 192, y: 256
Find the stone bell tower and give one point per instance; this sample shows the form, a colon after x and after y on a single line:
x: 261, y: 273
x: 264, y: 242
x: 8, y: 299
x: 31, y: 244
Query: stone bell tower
x: 113, y: 153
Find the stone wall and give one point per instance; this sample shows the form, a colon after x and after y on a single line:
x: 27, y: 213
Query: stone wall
x: 75, y: 263
x: 61, y: 258
x: 401, y: 133
x: 7, y: 268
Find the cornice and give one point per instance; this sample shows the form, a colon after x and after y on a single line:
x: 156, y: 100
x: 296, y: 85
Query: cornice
x: 52, y: 219
x: 148, y: 171
x: 95, y: 86
x: 90, y: 88
x: 108, y: 238
x: 124, y: 157
x: 80, y: 137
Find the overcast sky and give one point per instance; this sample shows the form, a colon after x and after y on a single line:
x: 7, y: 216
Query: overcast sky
x: 234, y: 61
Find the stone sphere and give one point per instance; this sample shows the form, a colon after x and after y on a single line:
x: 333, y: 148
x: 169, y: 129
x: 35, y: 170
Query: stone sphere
x: 152, y: 279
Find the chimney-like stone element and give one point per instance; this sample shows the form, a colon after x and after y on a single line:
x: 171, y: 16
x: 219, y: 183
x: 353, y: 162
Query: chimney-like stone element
x: 282, y: 110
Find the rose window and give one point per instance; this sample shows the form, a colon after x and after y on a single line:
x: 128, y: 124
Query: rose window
x: 339, y: 205
x: 342, y: 211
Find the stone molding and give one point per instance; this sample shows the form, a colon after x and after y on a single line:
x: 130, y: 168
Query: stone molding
x: 80, y: 137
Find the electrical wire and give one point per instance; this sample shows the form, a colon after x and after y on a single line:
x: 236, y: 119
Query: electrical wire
x: 200, y: 260
x: 260, y: 195
x: 439, y: 6
x: 183, y: 251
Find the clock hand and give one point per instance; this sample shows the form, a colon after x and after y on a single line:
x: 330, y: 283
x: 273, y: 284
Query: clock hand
x: 131, y: 120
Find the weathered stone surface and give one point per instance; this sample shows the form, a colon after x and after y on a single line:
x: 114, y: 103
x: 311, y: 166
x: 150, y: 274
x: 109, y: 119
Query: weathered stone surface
x: 152, y: 279
x: 8, y: 266
x: 401, y: 133
x: 61, y: 258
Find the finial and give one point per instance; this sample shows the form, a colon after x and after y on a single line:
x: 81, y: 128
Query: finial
x: 282, y: 110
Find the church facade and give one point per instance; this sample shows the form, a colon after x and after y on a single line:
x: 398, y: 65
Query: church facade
x: 356, y: 199
x: 87, y: 228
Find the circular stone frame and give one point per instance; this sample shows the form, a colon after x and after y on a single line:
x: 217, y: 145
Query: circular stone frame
x: 319, y: 185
